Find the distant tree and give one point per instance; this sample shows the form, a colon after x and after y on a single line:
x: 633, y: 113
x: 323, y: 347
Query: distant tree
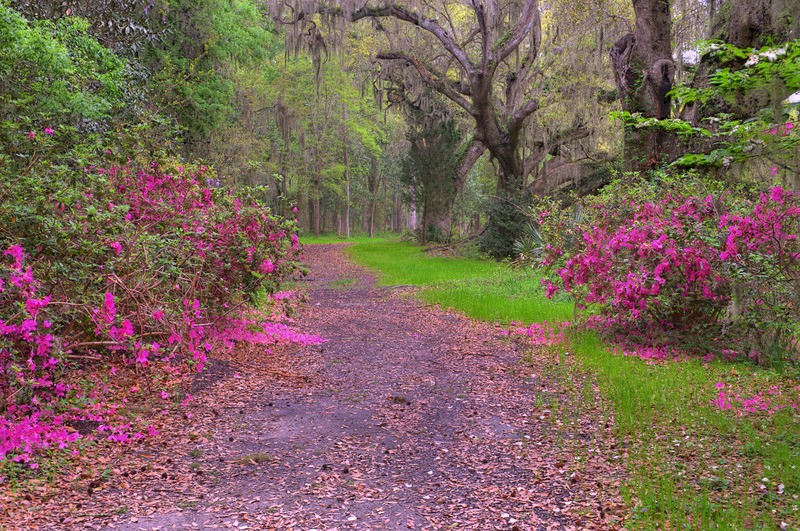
x: 482, y: 57
x: 431, y: 170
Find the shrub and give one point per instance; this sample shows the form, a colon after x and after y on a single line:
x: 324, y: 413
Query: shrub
x: 127, y: 264
x: 706, y: 269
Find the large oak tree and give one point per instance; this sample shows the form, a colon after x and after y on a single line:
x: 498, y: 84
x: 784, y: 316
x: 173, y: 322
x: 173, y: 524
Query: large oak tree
x: 484, y: 58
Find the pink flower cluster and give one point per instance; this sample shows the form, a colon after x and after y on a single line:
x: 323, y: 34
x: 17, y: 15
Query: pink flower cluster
x: 627, y: 266
x: 674, y: 264
x: 769, y: 402
x: 230, y: 331
x: 231, y: 240
x: 28, y: 357
x: 172, y: 259
x: 539, y: 334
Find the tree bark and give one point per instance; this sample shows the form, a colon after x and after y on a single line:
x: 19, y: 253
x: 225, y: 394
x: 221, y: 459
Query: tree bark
x: 373, y: 192
x: 643, y: 73
x: 315, y: 217
x: 397, y: 214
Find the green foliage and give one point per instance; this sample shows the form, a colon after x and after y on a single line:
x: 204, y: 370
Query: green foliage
x: 55, y: 71
x: 430, y: 173
x: 196, y: 70
x: 53, y: 76
x: 507, y: 221
x: 743, y: 76
x: 125, y: 26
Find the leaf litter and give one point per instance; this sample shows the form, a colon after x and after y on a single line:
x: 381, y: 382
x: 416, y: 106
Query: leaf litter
x: 407, y: 418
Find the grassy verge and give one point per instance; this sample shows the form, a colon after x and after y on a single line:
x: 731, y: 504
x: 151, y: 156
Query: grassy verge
x: 310, y: 239
x: 692, y: 465
x: 478, y: 288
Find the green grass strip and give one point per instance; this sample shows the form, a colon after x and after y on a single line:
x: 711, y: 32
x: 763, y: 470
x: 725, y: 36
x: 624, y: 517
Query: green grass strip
x: 481, y: 289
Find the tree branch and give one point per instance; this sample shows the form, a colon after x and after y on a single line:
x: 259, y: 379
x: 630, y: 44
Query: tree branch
x: 561, y: 138
x: 437, y: 83
x: 428, y: 25
x: 530, y: 13
x: 518, y: 118
x: 480, y: 14
x: 470, y: 157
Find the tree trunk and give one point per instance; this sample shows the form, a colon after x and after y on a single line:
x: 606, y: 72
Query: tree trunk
x: 346, y: 175
x: 397, y: 213
x: 347, y: 209
x: 508, y: 208
x: 423, y: 233
x: 441, y: 224
x: 303, y: 215
x: 315, y: 216
x: 754, y: 23
x: 412, y: 216
x: 373, y: 192
x: 746, y: 24
x: 644, y: 72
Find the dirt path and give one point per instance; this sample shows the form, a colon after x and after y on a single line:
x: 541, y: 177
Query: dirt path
x: 407, y: 418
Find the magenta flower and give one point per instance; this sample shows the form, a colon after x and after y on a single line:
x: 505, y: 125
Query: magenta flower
x: 142, y: 356
x: 127, y: 328
x: 267, y: 267
x: 32, y: 135
x: 774, y: 170
x: 721, y: 401
x: 109, y: 310
x: 17, y: 253
x: 48, y: 131
x: 34, y: 305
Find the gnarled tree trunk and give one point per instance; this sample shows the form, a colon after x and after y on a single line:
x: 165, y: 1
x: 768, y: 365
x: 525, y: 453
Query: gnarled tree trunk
x: 644, y: 72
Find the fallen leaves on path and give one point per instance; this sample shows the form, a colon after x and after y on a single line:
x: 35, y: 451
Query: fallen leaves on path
x: 408, y: 418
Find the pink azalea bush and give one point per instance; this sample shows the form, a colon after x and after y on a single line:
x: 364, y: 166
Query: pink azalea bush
x: 715, y: 272
x: 126, y: 265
